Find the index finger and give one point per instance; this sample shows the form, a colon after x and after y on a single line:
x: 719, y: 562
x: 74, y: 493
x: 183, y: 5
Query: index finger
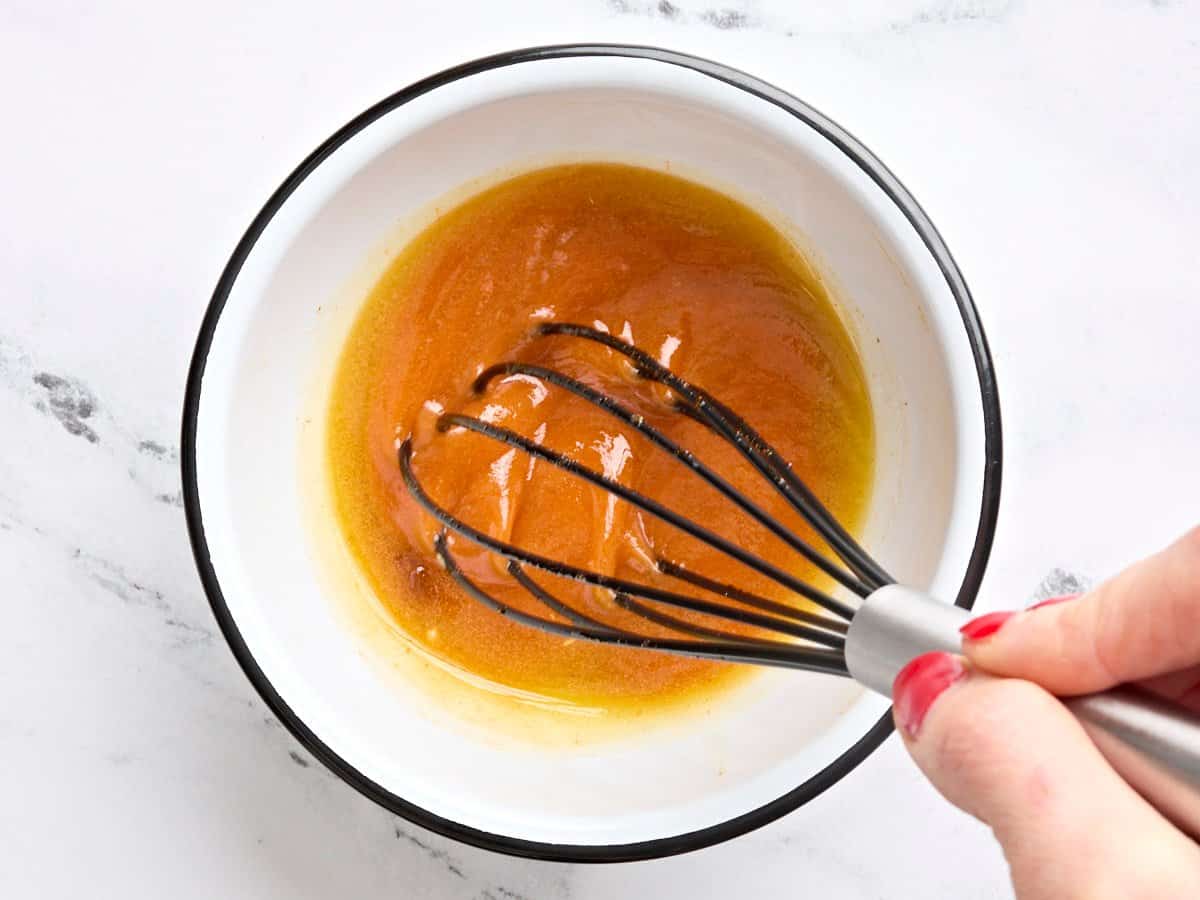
x: 1145, y: 622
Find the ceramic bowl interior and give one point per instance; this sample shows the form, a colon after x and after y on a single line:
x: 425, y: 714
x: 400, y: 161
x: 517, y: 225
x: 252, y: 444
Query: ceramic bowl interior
x: 285, y: 297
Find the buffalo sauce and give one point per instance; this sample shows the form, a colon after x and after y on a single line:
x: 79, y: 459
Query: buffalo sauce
x: 691, y: 276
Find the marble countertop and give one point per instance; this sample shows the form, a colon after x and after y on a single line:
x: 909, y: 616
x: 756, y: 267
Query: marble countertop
x: 1056, y: 146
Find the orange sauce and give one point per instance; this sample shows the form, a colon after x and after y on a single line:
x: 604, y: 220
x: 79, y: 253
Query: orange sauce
x: 688, y: 274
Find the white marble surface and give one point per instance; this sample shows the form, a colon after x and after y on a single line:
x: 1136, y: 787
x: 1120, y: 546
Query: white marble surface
x: 1055, y: 144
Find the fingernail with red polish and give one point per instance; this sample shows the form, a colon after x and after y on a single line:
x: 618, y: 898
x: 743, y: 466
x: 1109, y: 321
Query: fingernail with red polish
x: 919, y: 684
x: 985, y: 626
x: 1053, y: 600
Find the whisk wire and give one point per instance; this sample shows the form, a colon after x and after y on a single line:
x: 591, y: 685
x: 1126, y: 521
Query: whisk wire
x: 790, y: 656
x: 784, y: 624
x: 684, y: 627
x: 638, y: 423
x: 548, y: 600
x: 729, y: 591
x: 653, y: 507
x: 811, y: 640
x: 622, y: 600
x: 751, y: 444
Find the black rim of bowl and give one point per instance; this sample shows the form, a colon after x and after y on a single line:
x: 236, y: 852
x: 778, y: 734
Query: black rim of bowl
x: 659, y: 847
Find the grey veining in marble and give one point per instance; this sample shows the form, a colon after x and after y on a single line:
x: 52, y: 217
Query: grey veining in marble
x: 1060, y: 583
x: 791, y: 20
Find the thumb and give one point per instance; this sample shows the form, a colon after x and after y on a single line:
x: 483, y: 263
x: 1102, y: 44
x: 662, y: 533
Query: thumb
x: 1008, y: 753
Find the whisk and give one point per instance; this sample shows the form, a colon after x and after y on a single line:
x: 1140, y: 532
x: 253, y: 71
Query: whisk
x: 1155, y: 745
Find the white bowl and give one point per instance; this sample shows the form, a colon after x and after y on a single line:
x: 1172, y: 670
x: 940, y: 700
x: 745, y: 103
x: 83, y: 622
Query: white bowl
x: 284, y: 296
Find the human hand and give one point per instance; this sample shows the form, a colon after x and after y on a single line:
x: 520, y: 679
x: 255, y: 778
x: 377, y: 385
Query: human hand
x: 988, y: 732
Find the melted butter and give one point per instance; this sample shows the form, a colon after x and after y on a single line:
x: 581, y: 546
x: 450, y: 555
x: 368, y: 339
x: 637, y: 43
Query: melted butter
x: 687, y: 273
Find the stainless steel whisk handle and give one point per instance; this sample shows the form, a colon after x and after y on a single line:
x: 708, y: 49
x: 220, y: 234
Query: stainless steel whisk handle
x: 1153, y: 744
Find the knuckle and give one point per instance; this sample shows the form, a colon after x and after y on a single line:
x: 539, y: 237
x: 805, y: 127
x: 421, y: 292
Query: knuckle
x: 1106, y: 637
x: 1182, y: 588
x: 1183, y: 573
x: 1189, y: 544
